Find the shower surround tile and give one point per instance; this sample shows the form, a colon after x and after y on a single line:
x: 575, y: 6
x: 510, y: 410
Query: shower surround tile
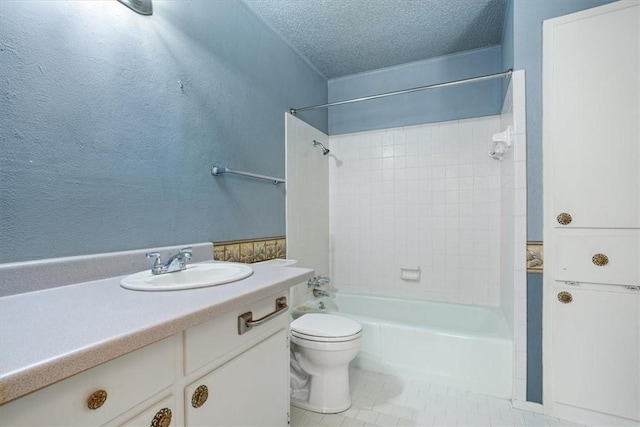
x: 424, y: 196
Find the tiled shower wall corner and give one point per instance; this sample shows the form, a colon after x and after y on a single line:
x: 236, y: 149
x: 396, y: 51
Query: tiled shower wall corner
x: 424, y: 196
x: 307, y: 175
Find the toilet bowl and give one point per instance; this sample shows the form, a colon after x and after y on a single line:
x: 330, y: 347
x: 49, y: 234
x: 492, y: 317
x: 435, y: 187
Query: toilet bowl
x: 322, y: 346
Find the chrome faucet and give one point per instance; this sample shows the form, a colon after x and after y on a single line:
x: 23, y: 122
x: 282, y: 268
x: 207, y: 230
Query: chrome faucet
x: 320, y: 293
x: 175, y: 262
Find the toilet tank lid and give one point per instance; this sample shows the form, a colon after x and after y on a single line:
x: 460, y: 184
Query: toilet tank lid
x: 325, y: 325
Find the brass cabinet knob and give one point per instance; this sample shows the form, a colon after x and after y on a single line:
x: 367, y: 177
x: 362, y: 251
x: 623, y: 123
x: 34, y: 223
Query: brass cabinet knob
x: 564, y: 218
x: 600, y: 259
x: 162, y: 418
x: 96, y: 399
x: 565, y: 297
x: 200, y: 396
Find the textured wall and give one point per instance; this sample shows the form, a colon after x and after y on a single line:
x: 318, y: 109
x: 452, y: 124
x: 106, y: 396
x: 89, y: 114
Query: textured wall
x: 103, y: 149
x: 507, y: 42
x: 436, y: 105
x: 355, y: 36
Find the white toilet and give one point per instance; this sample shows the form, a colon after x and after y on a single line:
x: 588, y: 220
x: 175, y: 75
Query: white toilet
x: 323, y: 345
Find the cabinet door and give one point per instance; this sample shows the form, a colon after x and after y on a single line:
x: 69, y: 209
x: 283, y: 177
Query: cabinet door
x: 249, y: 390
x: 591, y: 112
x: 597, y: 351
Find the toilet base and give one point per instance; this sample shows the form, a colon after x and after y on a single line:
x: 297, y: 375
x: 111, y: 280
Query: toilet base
x: 326, y: 394
x: 303, y: 404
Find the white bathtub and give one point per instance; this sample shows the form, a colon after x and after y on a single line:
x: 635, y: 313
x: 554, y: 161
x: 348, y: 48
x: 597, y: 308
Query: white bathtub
x: 464, y: 346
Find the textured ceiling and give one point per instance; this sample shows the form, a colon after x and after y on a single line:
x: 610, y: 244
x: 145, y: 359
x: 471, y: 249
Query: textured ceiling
x: 342, y: 37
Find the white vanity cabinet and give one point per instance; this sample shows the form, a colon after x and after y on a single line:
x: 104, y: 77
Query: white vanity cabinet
x: 206, y: 375
x: 100, y: 394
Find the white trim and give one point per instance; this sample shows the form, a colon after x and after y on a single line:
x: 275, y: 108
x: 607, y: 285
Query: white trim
x: 528, y: 406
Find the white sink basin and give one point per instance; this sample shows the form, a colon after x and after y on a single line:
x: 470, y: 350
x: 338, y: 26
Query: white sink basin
x: 195, y: 276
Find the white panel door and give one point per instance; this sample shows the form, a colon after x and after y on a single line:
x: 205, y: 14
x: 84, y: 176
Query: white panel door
x: 249, y: 390
x: 595, y: 120
x: 597, y: 349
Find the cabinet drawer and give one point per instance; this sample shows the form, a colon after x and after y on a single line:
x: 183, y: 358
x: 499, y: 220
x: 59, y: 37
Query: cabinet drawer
x: 598, y: 256
x: 127, y: 380
x: 211, y: 340
x: 162, y: 413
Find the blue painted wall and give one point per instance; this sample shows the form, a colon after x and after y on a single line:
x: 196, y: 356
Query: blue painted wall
x: 436, y: 105
x: 534, y: 337
x: 103, y: 149
x: 522, y: 50
x: 507, y: 42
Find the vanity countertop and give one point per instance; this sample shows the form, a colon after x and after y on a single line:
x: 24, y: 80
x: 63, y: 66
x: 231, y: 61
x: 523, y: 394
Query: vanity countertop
x: 49, y: 335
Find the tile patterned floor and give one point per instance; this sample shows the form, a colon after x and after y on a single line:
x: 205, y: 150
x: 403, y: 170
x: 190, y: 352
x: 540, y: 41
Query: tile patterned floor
x: 388, y: 401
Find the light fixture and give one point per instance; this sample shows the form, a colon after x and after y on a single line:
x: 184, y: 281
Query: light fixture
x: 143, y: 7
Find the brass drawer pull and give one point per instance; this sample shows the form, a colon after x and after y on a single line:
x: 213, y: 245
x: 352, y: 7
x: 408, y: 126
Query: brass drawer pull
x: 96, y: 399
x: 162, y: 418
x: 600, y: 259
x: 200, y: 396
x: 246, y: 322
x: 565, y: 297
x: 564, y: 218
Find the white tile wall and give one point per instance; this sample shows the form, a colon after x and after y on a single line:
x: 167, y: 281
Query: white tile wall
x: 423, y: 196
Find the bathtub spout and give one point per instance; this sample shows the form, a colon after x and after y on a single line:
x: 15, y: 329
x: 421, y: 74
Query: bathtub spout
x: 320, y: 293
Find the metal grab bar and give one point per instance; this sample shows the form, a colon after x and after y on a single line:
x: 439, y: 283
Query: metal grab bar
x: 246, y: 322
x: 219, y: 170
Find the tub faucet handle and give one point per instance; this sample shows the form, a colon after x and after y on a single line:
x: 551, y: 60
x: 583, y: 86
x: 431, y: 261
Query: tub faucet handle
x: 318, y: 281
x: 320, y: 293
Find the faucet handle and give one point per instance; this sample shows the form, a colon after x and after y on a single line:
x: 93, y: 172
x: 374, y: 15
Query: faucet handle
x: 186, y: 253
x: 318, y: 281
x: 155, y: 255
x: 157, y: 264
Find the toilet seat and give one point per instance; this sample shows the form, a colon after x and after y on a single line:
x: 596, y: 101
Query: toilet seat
x: 325, y: 328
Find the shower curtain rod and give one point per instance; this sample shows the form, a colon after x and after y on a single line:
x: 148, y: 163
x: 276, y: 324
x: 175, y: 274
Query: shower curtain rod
x: 399, y: 92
